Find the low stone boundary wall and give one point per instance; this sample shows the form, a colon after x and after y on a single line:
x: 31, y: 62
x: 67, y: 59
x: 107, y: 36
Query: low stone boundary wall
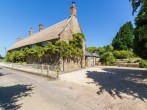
x: 128, y: 64
x: 39, y: 69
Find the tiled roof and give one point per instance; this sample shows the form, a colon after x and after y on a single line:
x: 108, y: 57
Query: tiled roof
x: 96, y: 55
x: 44, y: 35
x: 88, y: 54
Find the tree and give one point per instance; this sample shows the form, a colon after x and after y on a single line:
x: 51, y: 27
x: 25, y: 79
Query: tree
x: 136, y: 4
x: 107, y: 58
x: 124, y: 38
x: 1, y: 57
x: 140, y: 34
x: 91, y: 49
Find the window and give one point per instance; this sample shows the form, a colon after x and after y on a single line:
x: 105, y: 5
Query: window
x: 33, y: 46
x: 21, y: 48
x: 44, y: 44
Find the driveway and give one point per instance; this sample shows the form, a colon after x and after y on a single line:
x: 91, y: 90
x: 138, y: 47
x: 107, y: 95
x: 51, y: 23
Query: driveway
x: 122, y: 88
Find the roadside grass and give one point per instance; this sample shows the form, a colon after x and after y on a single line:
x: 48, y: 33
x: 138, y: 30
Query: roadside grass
x: 2, y: 60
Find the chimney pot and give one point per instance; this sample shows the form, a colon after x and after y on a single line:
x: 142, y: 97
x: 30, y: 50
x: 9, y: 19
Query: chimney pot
x: 41, y: 27
x: 73, y: 9
x: 18, y: 39
x: 30, y: 31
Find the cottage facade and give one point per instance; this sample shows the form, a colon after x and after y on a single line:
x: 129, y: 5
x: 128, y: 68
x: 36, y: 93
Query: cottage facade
x: 63, y: 30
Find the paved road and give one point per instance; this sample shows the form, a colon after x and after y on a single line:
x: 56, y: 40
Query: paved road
x: 19, y: 90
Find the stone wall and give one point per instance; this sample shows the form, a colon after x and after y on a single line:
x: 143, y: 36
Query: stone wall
x: 70, y: 65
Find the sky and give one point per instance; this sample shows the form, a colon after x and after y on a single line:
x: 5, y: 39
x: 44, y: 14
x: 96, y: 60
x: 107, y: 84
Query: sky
x: 100, y: 20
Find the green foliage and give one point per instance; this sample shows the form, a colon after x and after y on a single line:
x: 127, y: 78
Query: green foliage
x: 124, y: 38
x: 107, y: 58
x: 136, y: 4
x: 77, y: 41
x: 10, y: 57
x: 140, y: 34
x: 123, y: 54
x: 2, y: 60
x: 62, y: 49
x: 143, y: 64
x: 100, y: 50
x: 91, y: 49
x: 24, y: 63
x: 1, y: 57
x: 39, y: 51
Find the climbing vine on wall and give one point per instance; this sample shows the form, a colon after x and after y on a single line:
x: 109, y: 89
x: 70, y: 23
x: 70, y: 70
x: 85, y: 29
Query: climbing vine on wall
x: 60, y: 49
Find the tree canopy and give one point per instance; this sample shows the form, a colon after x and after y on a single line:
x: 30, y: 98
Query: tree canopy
x: 136, y: 4
x: 1, y: 57
x: 124, y: 38
x: 140, y: 34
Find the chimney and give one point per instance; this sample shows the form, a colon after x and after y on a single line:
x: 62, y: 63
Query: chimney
x: 73, y: 9
x: 18, y: 39
x: 30, y: 31
x: 41, y: 27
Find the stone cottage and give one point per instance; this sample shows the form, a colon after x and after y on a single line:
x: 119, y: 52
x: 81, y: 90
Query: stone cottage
x: 63, y: 30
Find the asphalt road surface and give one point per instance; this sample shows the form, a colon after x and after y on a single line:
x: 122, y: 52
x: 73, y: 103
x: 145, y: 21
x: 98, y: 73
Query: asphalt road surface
x: 20, y: 90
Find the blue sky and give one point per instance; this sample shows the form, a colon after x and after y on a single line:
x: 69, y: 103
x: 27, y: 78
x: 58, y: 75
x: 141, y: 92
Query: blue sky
x: 99, y: 19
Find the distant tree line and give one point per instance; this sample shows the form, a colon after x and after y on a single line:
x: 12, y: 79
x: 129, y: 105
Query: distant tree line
x: 1, y: 57
x: 129, y: 41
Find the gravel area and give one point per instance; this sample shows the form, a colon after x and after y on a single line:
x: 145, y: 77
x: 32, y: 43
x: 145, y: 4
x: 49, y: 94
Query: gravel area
x: 118, y: 88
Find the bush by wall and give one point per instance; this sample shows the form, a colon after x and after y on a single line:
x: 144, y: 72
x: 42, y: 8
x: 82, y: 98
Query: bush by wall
x: 123, y: 54
x: 143, y: 64
x: 107, y: 58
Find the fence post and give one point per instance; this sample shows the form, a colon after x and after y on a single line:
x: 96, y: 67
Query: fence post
x: 12, y: 65
x: 48, y: 71
x: 42, y: 69
x: 57, y: 72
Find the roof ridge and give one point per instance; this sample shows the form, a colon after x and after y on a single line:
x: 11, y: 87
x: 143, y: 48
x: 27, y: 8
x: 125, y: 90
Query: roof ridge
x: 43, y: 30
x: 48, y: 28
x: 66, y: 25
x: 38, y: 33
x: 53, y: 25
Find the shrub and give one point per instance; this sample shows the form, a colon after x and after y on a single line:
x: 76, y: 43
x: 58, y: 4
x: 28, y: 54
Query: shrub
x: 129, y: 61
x: 24, y: 63
x: 123, y: 54
x: 107, y: 58
x: 143, y: 64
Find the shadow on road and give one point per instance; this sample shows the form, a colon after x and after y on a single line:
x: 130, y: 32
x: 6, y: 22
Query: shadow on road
x: 3, y: 74
x: 117, y: 81
x: 11, y: 94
